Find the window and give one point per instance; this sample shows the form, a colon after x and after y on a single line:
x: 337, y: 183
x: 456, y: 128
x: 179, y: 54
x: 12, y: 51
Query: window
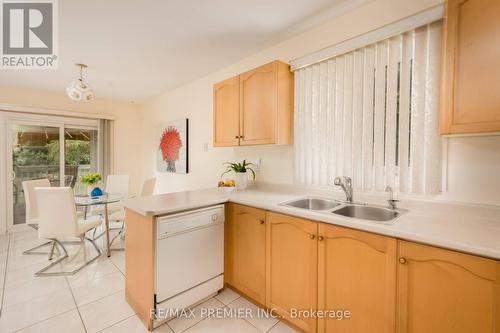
x: 372, y: 114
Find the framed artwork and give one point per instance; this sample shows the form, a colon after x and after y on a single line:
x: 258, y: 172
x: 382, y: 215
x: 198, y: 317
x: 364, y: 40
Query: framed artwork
x: 172, y: 149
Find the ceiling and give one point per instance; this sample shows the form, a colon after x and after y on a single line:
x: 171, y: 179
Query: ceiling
x: 136, y: 49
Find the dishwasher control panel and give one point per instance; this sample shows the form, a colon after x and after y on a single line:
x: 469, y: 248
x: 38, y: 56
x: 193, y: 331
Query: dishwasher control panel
x: 184, y: 222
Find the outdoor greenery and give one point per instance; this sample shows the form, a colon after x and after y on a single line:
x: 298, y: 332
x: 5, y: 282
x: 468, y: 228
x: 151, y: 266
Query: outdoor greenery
x: 239, y: 167
x: 77, y: 153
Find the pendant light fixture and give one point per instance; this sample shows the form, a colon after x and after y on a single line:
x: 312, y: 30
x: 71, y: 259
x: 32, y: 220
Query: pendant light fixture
x: 79, y: 90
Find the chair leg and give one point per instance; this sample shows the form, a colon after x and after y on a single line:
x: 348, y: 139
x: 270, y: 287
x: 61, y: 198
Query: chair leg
x: 121, y: 234
x: 33, y: 250
x: 53, y: 263
x: 51, y: 253
x: 43, y: 271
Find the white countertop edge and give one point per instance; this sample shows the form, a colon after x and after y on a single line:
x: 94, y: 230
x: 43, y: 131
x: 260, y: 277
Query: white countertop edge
x: 424, y: 236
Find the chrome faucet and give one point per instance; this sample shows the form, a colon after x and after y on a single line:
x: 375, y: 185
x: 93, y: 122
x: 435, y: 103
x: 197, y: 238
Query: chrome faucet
x: 346, y: 184
x: 392, y: 203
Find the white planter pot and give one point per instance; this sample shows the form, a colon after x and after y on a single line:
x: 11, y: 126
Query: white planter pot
x: 241, y: 180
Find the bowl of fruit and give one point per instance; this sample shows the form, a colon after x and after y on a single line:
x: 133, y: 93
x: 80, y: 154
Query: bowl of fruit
x: 226, y: 185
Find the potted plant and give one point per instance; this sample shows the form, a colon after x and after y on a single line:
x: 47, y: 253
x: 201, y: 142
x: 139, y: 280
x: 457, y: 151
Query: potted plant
x: 92, y: 179
x: 240, y: 170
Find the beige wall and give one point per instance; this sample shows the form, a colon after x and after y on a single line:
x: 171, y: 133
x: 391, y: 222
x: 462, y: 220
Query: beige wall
x: 127, y: 123
x: 474, y: 163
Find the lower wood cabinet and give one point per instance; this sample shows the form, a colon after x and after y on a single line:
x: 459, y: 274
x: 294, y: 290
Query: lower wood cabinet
x: 245, y: 241
x: 292, y: 268
x: 447, y: 292
x: 356, y: 273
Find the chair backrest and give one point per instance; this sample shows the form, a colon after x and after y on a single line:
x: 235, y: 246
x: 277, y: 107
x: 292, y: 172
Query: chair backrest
x: 118, y: 184
x: 148, y: 187
x: 56, y: 212
x: 30, y: 199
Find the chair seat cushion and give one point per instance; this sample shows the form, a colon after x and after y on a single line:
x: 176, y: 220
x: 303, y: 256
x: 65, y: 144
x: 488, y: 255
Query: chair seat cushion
x: 88, y: 224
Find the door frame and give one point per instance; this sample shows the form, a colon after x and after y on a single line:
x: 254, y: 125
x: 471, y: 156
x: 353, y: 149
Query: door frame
x: 12, y: 118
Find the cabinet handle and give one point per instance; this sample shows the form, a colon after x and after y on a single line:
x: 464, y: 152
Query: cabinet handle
x: 262, y: 221
x: 320, y: 238
x: 237, y: 137
x: 402, y: 260
x: 242, y: 136
x: 312, y: 236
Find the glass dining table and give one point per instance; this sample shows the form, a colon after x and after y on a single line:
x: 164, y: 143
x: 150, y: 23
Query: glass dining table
x: 103, y: 200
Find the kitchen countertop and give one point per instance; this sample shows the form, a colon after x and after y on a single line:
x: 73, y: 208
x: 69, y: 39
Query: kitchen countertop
x: 467, y: 228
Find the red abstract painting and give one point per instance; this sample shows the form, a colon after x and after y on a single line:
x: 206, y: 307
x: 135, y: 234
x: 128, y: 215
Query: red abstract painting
x: 172, y: 148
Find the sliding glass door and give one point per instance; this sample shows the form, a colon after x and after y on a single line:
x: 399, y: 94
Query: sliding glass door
x: 58, y: 152
x: 35, y: 155
x: 80, y: 156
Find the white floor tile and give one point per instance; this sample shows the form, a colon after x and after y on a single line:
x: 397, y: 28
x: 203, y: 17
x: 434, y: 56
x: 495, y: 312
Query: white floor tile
x: 22, y: 292
x: 226, y: 325
x: 118, y: 258
x: 282, y: 328
x: 63, y: 323
x: 88, y: 289
x: 3, y: 261
x: 134, y: 325
x: 4, y: 243
x: 23, y: 275
x: 105, y: 312
x: 96, y: 269
x: 28, y: 313
x: 257, y: 317
x: 18, y: 246
x: 180, y: 324
x: 23, y: 261
x: 227, y: 295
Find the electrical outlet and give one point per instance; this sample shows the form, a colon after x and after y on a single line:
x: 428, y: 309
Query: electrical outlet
x: 205, y: 147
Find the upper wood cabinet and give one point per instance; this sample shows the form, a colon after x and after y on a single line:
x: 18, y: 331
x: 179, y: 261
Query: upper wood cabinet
x: 245, y: 262
x: 226, y: 112
x: 446, y: 291
x: 470, y: 101
x: 255, y: 107
x: 356, y: 272
x: 292, y: 267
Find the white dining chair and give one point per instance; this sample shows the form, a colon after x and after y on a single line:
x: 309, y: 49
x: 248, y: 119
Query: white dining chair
x: 147, y: 189
x: 32, y: 208
x: 116, y: 184
x: 57, y: 219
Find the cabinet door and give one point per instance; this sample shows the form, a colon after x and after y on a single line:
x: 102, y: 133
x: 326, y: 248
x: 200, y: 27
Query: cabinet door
x: 292, y: 271
x: 250, y: 275
x: 446, y: 292
x: 356, y: 273
x: 227, y: 112
x: 259, y: 105
x: 470, y: 99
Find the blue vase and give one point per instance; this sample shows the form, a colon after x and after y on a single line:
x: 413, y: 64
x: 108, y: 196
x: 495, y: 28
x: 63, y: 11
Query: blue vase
x: 96, y: 192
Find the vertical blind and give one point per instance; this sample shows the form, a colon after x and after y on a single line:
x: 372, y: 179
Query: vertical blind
x: 372, y: 114
x: 106, y: 146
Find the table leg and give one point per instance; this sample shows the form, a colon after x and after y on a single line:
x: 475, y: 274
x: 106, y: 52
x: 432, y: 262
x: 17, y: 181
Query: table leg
x: 106, y: 222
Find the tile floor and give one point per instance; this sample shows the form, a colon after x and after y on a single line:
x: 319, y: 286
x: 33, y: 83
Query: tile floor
x: 93, y: 299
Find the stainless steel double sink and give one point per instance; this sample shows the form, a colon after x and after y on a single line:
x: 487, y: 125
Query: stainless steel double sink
x: 352, y: 210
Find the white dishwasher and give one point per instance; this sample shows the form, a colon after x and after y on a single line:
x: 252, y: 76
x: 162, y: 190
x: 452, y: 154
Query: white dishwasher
x: 189, y: 257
